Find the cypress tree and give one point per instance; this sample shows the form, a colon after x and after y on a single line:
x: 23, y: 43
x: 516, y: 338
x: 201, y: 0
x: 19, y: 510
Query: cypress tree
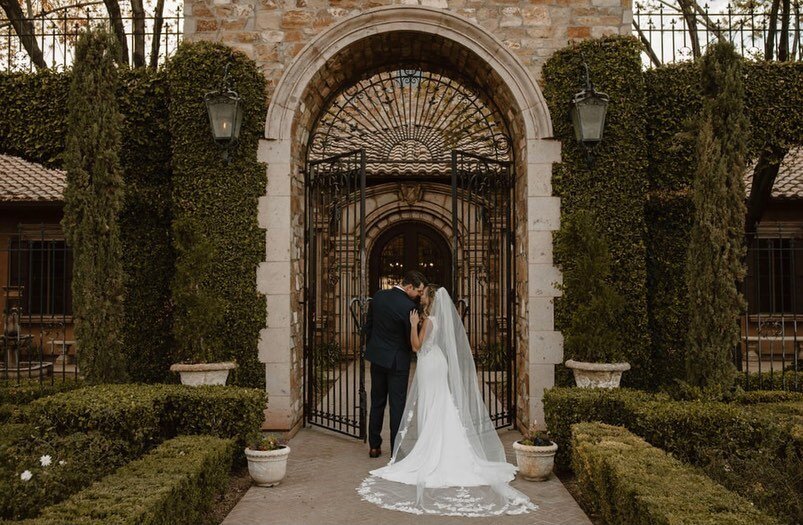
x: 92, y: 203
x: 594, y: 331
x: 714, y: 264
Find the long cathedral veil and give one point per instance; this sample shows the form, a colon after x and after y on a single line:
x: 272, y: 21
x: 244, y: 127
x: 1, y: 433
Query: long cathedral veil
x: 448, y: 333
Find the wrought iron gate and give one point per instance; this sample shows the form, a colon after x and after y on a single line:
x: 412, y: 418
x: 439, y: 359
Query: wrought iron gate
x: 335, y: 298
x: 483, y: 276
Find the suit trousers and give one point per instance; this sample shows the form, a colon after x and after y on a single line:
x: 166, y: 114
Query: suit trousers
x: 387, y: 384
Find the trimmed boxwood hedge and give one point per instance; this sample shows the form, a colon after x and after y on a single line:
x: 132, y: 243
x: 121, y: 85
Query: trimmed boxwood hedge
x: 27, y: 391
x: 632, y: 483
x: 222, y: 196
x: 146, y: 414
x: 76, y: 461
x: 172, y: 485
x: 751, y: 449
x: 615, y: 188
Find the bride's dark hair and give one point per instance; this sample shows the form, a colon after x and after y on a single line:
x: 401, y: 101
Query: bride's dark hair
x: 430, y: 292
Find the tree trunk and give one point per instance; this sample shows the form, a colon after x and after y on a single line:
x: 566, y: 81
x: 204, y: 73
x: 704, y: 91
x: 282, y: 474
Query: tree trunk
x: 116, y: 19
x: 691, y: 25
x: 783, y: 46
x: 764, y: 175
x: 138, y: 15
x: 158, y: 21
x: 769, y: 45
x: 25, y: 31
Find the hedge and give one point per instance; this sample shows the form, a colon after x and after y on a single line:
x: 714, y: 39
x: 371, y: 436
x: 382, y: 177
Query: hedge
x: 76, y: 461
x: 749, y: 449
x: 786, y: 380
x: 633, y: 483
x: 146, y: 414
x: 145, y: 224
x: 615, y: 188
x: 775, y: 109
x: 172, y: 485
x: 33, y: 126
x: 222, y: 196
x: 27, y: 391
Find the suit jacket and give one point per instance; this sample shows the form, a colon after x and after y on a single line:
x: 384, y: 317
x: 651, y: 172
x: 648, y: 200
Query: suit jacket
x: 387, y: 329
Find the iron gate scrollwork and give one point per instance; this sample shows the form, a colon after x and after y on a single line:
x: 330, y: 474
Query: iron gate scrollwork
x: 483, y: 276
x: 335, y: 293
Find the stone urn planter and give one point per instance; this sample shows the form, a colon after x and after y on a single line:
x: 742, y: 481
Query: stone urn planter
x: 535, y: 462
x: 203, y: 373
x: 267, y: 467
x: 597, y: 375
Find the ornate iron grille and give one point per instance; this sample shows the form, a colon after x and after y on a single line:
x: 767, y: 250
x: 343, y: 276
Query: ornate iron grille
x: 409, y: 120
x: 483, y: 274
x: 336, y: 286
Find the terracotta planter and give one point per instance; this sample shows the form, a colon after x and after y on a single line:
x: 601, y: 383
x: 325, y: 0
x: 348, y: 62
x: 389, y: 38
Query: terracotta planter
x: 597, y: 375
x: 267, y: 467
x: 535, y: 463
x: 203, y: 373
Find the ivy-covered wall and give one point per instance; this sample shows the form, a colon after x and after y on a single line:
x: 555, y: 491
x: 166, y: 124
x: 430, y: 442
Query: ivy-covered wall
x: 615, y: 188
x: 220, y: 196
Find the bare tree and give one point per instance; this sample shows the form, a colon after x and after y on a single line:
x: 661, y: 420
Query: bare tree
x: 116, y: 21
x: 25, y: 31
x: 158, y: 21
x: 138, y: 17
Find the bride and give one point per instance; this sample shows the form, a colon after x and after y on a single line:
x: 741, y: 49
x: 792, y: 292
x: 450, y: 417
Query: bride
x: 448, y: 458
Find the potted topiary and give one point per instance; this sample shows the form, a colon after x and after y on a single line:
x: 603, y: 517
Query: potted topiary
x: 535, y: 454
x: 595, y: 309
x: 267, y: 460
x: 197, y: 311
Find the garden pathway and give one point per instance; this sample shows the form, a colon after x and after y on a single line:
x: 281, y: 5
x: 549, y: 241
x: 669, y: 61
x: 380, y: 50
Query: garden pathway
x: 325, y: 468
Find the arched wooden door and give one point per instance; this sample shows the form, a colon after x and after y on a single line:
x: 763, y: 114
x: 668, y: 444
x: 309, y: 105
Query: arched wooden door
x: 409, y: 246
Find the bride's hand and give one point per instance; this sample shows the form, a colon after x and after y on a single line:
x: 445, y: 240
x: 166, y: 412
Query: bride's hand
x: 414, y: 318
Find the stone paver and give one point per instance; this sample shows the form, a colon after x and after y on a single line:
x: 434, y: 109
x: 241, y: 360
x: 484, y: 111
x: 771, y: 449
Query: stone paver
x: 325, y: 468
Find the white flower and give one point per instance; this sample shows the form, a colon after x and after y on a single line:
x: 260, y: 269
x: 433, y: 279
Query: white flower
x: 62, y: 462
x: 45, y: 461
x: 25, y: 476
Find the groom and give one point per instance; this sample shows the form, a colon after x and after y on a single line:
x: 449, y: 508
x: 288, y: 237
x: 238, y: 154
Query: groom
x: 387, y: 347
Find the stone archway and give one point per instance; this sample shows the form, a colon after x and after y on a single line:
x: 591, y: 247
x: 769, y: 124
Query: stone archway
x: 354, y: 46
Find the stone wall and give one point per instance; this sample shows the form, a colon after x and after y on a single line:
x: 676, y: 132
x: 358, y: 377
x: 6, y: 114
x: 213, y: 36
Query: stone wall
x: 272, y: 32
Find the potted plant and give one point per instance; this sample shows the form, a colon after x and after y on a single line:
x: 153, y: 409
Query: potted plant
x: 592, y: 338
x: 197, y: 310
x: 535, y: 454
x: 267, y: 460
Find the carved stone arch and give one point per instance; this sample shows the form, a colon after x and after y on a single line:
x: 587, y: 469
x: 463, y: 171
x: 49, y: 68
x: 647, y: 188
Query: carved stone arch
x: 326, y: 63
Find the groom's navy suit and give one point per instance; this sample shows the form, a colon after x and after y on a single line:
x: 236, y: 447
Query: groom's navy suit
x: 387, y: 332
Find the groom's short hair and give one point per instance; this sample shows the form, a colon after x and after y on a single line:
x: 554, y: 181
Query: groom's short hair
x: 414, y: 277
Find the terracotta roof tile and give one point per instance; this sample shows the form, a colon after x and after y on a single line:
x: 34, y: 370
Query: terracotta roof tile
x: 23, y: 181
x: 789, y: 182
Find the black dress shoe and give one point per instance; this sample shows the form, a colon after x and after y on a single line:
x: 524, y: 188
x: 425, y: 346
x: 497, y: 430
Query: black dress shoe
x: 375, y: 452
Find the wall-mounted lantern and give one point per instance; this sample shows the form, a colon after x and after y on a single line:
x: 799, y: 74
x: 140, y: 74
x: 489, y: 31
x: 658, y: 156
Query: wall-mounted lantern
x: 225, y: 110
x: 588, y: 116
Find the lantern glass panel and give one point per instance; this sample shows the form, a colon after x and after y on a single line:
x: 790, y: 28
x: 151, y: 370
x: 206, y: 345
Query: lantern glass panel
x: 590, y: 112
x: 223, y: 115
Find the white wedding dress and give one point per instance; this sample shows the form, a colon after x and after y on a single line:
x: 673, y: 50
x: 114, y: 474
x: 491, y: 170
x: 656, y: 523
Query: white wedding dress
x: 448, y: 458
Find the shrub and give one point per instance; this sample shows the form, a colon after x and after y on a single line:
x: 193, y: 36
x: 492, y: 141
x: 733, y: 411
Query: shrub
x: 123, y: 411
x: 593, y: 333
x: 144, y: 414
x: 174, y: 484
x: 788, y: 380
x: 76, y: 461
x: 222, y: 411
x: 754, y: 450
x: 633, y: 483
x: 25, y: 392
